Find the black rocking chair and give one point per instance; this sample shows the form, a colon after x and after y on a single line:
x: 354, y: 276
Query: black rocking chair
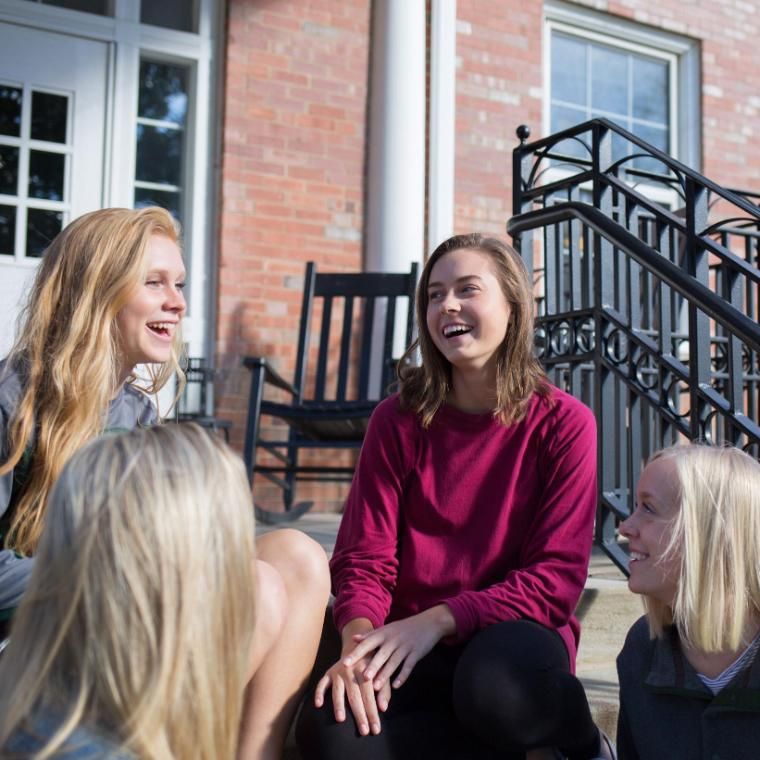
x: 197, y: 399
x: 328, y: 408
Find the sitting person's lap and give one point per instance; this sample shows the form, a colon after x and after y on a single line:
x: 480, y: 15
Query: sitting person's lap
x: 503, y: 690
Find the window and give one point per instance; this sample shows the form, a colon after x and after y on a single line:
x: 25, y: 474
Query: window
x: 161, y: 117
x: 590, y: 79
x: 645, y: 80
x: 35, y: 156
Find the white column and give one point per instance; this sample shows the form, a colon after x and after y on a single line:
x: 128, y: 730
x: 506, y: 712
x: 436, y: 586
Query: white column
x: 443, y: 46
x: 396, y: 170
x: 396, y: 167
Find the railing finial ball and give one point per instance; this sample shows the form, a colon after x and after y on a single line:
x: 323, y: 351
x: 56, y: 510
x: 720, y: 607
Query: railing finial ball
x: 523, y: 133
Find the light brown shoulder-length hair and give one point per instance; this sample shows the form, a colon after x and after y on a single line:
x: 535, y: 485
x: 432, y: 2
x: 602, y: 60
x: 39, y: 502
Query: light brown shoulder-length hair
x: 139, y: 614
x: 519, y: 374
x: 67, y: 350
x: 715, y: 535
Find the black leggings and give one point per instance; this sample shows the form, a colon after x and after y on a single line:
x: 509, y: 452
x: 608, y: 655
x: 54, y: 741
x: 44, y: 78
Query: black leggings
x: 507, y: 690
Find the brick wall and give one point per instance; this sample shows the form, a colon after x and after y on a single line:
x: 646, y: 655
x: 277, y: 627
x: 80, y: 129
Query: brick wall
x: 499, y: 85
x: 292, y: 173
x: 294, y: 140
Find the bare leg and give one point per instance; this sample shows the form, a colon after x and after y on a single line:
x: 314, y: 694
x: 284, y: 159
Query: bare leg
x: 283, y: 655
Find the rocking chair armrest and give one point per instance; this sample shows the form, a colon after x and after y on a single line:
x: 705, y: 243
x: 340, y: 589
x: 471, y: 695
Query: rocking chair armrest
x: 270, y: 375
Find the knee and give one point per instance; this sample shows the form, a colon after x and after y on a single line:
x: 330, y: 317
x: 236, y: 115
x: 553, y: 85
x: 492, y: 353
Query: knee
x: 301, y: 562
x: 271, y: 606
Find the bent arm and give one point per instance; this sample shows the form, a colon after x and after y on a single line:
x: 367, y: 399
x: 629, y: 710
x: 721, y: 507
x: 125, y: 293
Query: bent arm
x: 364, y: 565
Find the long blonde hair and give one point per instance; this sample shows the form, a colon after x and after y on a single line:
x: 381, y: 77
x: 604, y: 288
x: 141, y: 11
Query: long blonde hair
x: 67, y: 350
x: 139, y: 613
x: 716, y: 536
x: 518, y: 373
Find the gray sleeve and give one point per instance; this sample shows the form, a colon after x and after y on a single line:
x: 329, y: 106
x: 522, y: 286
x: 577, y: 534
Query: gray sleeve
x: 6, y: 481
x: 14, y: 577
x: 6, y: 484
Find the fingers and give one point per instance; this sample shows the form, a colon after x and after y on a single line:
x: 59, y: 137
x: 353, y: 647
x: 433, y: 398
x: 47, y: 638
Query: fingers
x: 361, y: 699
x: 319, y: 692
x: 383, y: 696
x: 339, y: 700
x: 406, y: 670
x: 366, y: 643
x: 387, y: 653
x: 386, y: 671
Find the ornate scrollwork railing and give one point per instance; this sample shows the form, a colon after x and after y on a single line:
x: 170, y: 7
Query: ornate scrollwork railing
x: 647, y: 294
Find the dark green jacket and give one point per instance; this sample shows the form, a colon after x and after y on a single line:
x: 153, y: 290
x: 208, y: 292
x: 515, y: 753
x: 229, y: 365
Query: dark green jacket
x: 667, y: 712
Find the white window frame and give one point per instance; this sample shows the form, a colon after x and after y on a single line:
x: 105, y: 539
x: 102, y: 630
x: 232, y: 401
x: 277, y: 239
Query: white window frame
x: 128, y: 41
x: 680, y: 52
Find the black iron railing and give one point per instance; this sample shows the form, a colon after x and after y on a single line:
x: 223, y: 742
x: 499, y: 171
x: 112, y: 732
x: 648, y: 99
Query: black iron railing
x: 648, y: 298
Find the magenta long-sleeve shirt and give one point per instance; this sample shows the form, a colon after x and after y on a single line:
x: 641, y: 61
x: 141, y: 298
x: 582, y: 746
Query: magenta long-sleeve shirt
x: 495, y: 521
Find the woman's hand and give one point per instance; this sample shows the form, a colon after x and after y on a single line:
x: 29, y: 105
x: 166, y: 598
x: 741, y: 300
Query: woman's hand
x: 347, y: 682
x: 402, y: 643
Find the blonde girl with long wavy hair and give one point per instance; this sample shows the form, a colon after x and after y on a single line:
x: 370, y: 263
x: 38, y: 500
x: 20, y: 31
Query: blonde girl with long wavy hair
x: 75, y: 352
x: 135, y: 633
x: 108, y: 296
x: 465, y: 542
x: 689, y: 671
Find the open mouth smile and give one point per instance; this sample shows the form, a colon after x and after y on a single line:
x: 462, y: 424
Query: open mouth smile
x: 453, y: 330
x: 163, y: 330
x: 637, y: 556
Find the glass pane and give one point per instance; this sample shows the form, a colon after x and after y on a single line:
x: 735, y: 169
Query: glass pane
x: 159, y: 155
x: 163, y: 92
x: 568, y: 70
x: 171, y: 14
x: 46, y: 172
x: 10, y: 110
x: 609, y: 80
x: 89, y: 6
x: 41, y: 228
x: 49, y: 117
x: 8, y: 170
x: 650, y: 90
x: 7, y: 229
x: 168, y: 199
x: 657, y: 138
x: 564, y: 117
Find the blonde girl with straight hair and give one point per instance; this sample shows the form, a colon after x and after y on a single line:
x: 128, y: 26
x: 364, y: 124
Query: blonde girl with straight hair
x: 108, y: 296
x: 135, y: 633
x: 465, y: 542
x: 689, y: 671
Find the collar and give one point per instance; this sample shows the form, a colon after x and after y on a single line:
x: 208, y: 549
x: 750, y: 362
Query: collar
x: 671, y: 673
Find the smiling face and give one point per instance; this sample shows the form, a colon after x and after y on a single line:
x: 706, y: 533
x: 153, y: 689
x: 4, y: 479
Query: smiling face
x: 149, y: 320
x: 649, y: 529
x: 467, y: 312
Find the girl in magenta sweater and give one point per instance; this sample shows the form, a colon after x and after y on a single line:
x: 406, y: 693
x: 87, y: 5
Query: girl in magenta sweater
x: 465, y: 541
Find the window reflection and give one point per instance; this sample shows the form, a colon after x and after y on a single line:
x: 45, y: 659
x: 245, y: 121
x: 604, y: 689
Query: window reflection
x: 164, y: 198
x: 41, y: 227
x: 49, y: 117
x: 160, y: 135
x: 46, y: 172
x: 7, y: 230
x: 171, y: 14
x: 8, y: 170
x: 159, y: 155
x: 163, y: 92
x: 10, y: 110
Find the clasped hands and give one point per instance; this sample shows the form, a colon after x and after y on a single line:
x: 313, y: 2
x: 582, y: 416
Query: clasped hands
x: 374, y: 660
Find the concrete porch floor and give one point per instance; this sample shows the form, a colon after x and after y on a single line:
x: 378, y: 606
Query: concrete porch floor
x: 606, y: 611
